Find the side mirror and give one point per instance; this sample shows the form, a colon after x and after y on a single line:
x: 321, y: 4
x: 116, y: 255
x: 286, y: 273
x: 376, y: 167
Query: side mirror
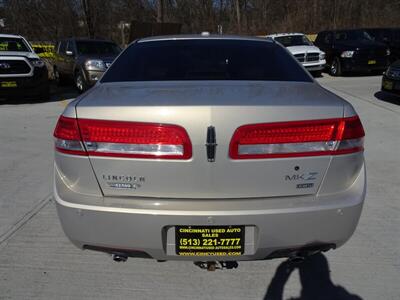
x: 69, y: 53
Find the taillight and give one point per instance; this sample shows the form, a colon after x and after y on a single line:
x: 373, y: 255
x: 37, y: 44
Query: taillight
x: 67, y: 137
x: 298, y: 138
x: 130, y: 139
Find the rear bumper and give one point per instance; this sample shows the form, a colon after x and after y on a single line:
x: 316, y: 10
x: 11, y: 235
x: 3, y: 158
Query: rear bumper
x: 146, y: 226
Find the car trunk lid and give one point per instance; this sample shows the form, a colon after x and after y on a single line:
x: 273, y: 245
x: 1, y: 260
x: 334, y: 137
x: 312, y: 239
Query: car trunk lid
x: 197, y: 107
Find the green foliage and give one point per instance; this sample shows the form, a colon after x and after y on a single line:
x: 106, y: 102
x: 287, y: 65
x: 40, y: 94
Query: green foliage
x: 46, y: 50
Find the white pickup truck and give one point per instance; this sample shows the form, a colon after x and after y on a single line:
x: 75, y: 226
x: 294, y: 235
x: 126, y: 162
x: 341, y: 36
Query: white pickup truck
x: 22, y: 72
x: 311, y: 57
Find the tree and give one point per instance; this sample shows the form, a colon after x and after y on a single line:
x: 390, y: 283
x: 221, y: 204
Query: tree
x: 88, y: 16
x: 54, y: 19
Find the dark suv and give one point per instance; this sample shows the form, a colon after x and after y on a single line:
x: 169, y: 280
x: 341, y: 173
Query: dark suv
x: 352, y: 51
x: 83, y: 60
x: 388, y: 36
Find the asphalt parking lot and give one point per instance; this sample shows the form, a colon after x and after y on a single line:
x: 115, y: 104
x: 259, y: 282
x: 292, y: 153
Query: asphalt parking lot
x: 38, y: 262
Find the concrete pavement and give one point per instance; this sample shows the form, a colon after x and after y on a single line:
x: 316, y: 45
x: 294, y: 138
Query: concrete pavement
x: 38, y: 262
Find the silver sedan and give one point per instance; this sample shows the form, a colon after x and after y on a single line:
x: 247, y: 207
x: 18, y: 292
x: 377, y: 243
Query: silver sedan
x: 208, y: 148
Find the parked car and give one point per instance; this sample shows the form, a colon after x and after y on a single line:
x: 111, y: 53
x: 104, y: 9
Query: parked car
x: 208, y: 147
x: 22, y: 72
x: 83, y: 60
x: 352, y: 51
x: 388, y: 36
x: 391, y: 79
x: 311, y: 57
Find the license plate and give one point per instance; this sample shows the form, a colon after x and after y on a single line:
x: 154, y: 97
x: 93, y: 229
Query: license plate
x: 8, y: 84
x: 387, y: 85
x: 209, y: 240
x: 372, y: 62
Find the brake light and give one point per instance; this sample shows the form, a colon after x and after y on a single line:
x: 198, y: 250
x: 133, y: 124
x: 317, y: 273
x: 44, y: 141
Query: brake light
x: 67, y: 137
x: 127, y: 139
x: 298, y: 138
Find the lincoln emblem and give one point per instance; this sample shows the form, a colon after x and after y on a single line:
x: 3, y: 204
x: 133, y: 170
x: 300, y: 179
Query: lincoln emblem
x: 211, y: 144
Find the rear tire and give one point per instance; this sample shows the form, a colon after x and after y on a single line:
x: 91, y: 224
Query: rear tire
x: 336, y: 67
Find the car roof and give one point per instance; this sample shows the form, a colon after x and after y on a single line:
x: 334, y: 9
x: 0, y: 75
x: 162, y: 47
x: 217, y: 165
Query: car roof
x: 203, y: 36
x: 11, y: 36
x: 284, y: 34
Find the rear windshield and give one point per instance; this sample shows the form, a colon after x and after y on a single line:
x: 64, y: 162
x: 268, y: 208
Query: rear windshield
x: 205, y: 60
x: 13, y: 44
x: 94, y: 47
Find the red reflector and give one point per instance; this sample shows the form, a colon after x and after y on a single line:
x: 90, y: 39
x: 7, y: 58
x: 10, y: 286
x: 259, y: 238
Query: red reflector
x: 297, y: 138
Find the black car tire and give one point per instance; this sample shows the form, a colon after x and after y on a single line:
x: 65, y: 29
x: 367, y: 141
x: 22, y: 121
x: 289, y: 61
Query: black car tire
x: 336, y: 67
x: 80, y: 83
x: 58, y: 78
